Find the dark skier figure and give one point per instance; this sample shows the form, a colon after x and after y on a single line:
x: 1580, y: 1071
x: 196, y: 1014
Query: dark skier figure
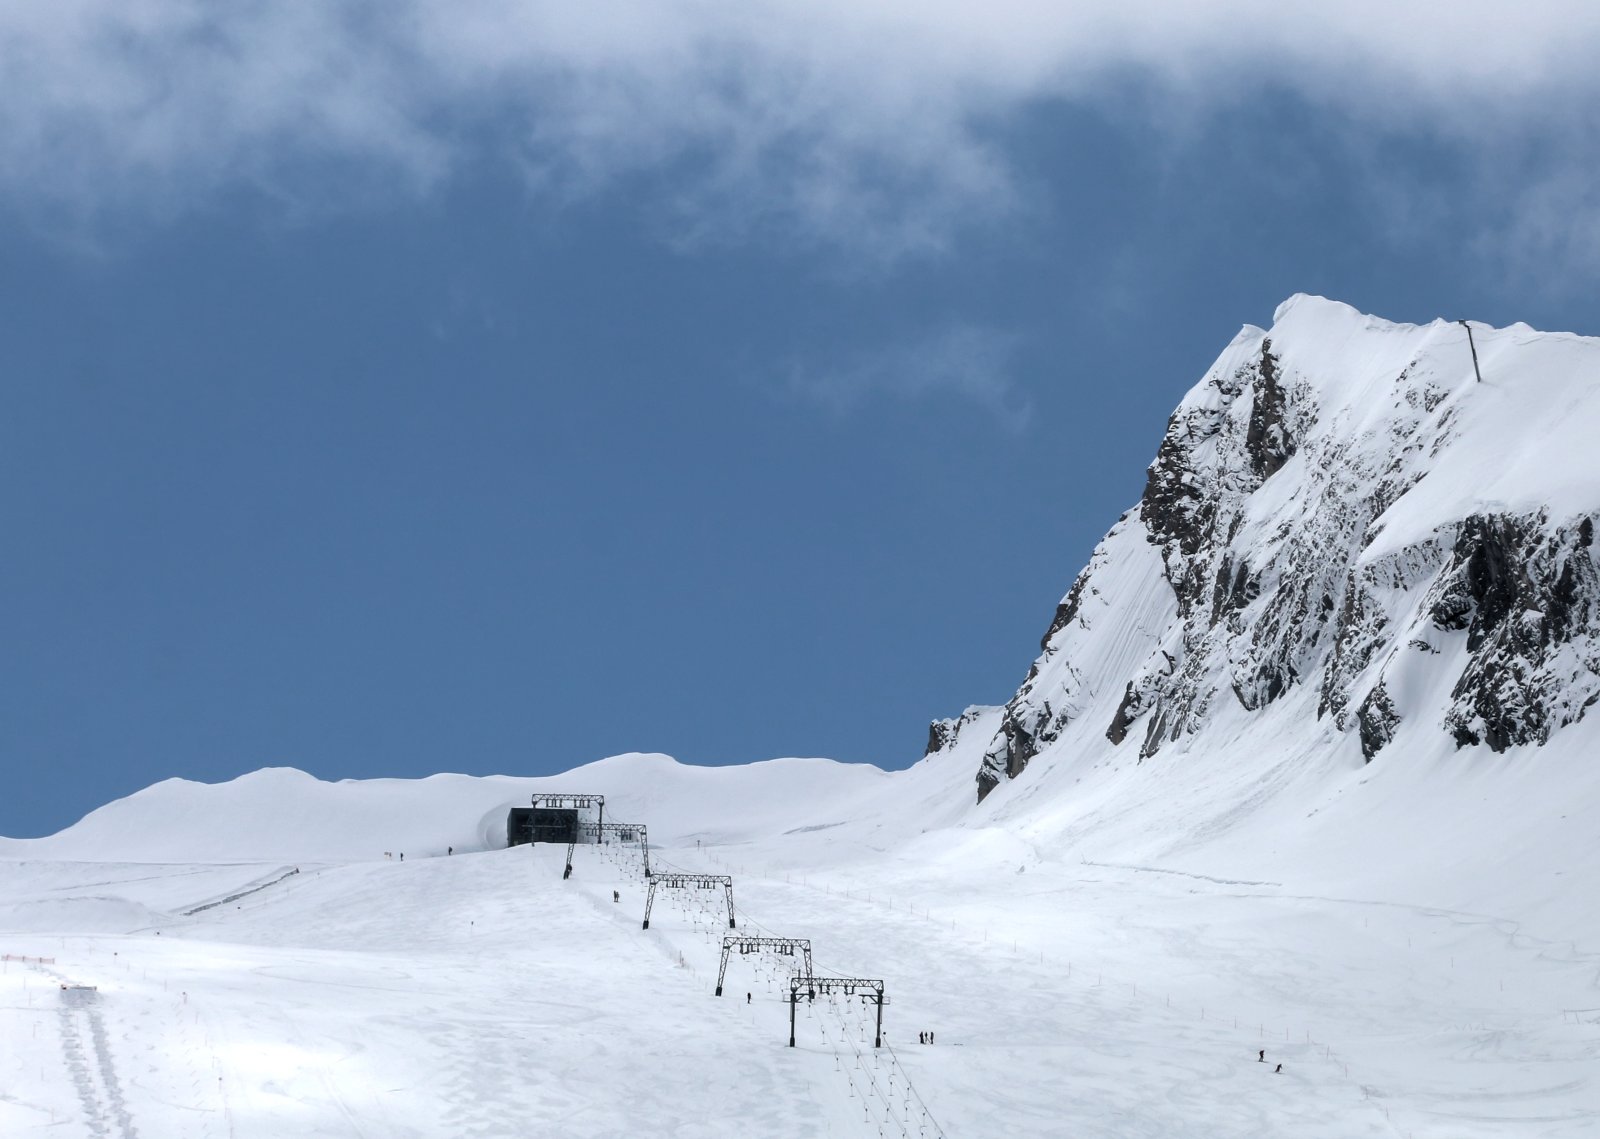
x: 565, y: 874
x: 616, y: 895
x: 747, y: 998
x: 1278, y: 1069
x: 922, y: 1038
x: 1261, y: 1057
x: 449, y: 850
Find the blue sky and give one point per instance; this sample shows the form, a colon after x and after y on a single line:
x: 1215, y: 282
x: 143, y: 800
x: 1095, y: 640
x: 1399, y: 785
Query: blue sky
x: 491, y: 387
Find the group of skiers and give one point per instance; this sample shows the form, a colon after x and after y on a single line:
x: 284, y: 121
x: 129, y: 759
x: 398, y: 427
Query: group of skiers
x: 924, y: 1038
x: 1261, y: 1058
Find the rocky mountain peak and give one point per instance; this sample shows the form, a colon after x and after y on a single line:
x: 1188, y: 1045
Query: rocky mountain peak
x: 1340, y: 517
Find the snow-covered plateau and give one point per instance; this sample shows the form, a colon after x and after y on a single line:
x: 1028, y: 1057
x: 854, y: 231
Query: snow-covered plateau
x: 1303, y: 772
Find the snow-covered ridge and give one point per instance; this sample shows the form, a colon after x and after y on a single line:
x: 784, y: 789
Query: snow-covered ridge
x: 1342, y: 507
x: 282, y: 813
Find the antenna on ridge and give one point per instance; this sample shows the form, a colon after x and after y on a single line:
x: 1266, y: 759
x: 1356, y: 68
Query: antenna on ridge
x: 1474, y: 348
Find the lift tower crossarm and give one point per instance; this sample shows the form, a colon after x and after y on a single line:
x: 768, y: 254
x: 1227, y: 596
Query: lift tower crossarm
x: 556, y: 800
x: 744, y: 944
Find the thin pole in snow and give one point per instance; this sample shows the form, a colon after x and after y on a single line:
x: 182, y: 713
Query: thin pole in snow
x: 1471, y: 344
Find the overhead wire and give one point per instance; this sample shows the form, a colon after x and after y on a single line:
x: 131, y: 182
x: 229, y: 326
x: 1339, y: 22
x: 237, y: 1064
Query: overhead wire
x: 746, y: 920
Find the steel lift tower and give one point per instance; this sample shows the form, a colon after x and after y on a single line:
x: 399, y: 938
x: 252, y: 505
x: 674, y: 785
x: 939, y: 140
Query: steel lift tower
x: 809, y: 987
x: 677, y: 881
x: 785, y: 946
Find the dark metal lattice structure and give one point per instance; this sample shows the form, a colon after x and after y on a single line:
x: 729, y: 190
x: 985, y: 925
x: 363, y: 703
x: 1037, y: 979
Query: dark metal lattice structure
x: 561, y: 801
x: 809, y: 987
x: 617, y: 832
x: 784, y: 946
x: 677, y: 881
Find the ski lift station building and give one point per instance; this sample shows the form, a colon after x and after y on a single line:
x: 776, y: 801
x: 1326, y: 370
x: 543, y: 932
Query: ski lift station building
x: 555, y: 818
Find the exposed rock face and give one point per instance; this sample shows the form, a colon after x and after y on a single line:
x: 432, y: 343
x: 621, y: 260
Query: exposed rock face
x: 1528, y: 595
x: 1268, y: 441
x: 1314, y: 523
x: 943, y: 734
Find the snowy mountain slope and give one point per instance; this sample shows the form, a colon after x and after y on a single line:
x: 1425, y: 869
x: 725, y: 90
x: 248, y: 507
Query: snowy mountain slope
x: 482, y: 995
x: 1101, y: 953
x: 1340, y: 506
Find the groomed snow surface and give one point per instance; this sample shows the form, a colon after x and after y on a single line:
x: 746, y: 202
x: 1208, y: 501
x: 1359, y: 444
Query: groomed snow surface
x: 1071, y: 991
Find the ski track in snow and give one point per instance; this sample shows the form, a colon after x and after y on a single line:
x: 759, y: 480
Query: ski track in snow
x: 86, y: 1052
x: 1509, y: 928
x: 274, y: 879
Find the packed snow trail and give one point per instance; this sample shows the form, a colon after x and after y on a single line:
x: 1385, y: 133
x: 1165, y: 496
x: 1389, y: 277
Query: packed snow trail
x: 91, y: 1096
x: 253, y: 888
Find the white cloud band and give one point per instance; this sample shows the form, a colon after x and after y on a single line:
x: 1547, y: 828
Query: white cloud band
x: 838, y: 119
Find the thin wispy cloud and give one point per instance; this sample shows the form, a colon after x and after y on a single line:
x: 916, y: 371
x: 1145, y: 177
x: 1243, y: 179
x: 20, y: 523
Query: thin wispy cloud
x: 862, y: 124
x: 969, y: 363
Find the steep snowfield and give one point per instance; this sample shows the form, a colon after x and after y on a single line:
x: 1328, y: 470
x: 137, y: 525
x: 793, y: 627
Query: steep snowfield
x: 1521, y: 439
